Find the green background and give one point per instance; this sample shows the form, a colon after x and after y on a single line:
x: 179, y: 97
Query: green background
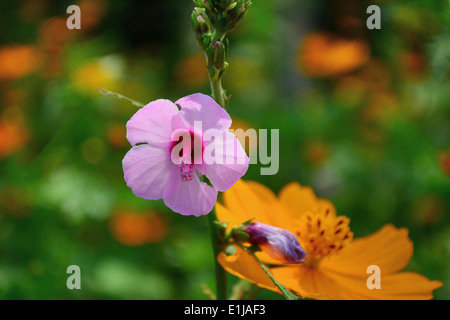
x: 61, y: 187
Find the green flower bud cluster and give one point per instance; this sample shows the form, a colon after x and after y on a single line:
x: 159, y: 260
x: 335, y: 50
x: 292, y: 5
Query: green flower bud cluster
x: 222, y: 15
x: 211, y: 21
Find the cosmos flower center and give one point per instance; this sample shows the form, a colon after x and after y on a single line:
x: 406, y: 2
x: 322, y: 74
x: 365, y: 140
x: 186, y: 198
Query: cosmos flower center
x: 322, y: 233
x: 186, y: 150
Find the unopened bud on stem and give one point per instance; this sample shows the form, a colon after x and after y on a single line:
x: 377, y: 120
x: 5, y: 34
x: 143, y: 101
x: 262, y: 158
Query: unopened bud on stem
x: 278, y: 243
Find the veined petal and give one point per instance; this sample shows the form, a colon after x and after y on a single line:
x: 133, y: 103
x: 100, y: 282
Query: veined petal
x: 309, y: 283
x: 200, y: 107
x: 191, y: 197
x: 244, y: 205
x: 298, y: 200
x: 250, y: 200
x: 282, y: 218
x: 146, y: 170
x: 152, y: 124
x: 397, y: 286
x: 389, y: 248
x: 230, y: 164
x: 244, y: 266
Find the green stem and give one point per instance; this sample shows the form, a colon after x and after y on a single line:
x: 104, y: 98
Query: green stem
x: 215, y: 79
x: 221, y: 274
x: 286, y: 293
x: 105, y: 92
x: 217, y: 242
x: 217, y: 90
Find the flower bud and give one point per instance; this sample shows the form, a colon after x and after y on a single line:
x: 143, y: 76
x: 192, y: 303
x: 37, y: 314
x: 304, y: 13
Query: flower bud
x: 236, y: 12
x: 206, y: 40
x: 278, y: 243
x: 217, y: 55
x: 199, y: 24
x: 236, y: 9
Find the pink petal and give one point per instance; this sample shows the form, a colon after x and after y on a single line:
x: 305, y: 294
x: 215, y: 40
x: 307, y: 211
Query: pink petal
x: 189, y: 197
x: 233, y: 162
x: 146, y: 170
x: 152, y: 124
x: 200, y: 107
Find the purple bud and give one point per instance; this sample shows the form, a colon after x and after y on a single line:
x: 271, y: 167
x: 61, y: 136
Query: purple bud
x: 278, y: 243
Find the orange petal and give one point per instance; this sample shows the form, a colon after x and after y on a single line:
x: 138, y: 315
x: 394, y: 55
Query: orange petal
x: 399, y: 286
x: 232, y: 219
x: 278, y: 215
x: 389, y: 248
x: 264, y: 193
x: 317, y: 284
x: 298, y: 200
x: 406, y: 286
x: 265, y: 258
x: 244, y: 204
x: 309, y: 283
x: 244, y: 266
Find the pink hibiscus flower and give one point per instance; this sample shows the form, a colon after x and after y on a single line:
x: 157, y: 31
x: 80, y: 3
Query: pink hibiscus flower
x: 173, y: 149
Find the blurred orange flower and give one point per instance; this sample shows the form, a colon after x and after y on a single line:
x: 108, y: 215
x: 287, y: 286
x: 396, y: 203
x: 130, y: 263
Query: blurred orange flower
x: 14, y: 201
x: 414, y: 65
x: 53, y: 37
x: 136, y: 229
x: 350, y: 91
x: 336, y: 265
x: 192, y: 71
x: 376, y: 75
x: 316, y: 152
x: 17, y: 61
x: 14, y: 135
x: 445, y: 161
x: 325, y: 55
x: 428, y: 209
x: 54, y: 34
x: 92, y: 11
x: 380, y: 104
x: 117, y: 134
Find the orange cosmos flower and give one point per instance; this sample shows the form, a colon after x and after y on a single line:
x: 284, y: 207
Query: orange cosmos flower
x: 116, y: 134
x: 316, y: 152
x: 136, y: 229
x: 336, y: 266
x: 13, y: 133
x: 192, y: 72
x: 325, y: 55
x: 17, y: 61
x: 445, y: 161
x: 93, y: 11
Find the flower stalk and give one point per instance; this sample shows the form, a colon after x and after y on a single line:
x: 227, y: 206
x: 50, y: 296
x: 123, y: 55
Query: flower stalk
x: 286, y: 293
x: 212, y: 20
x: 217, y: 232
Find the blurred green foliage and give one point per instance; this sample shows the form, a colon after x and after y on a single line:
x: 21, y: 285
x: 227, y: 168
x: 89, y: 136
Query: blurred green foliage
x: 374, y: 138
